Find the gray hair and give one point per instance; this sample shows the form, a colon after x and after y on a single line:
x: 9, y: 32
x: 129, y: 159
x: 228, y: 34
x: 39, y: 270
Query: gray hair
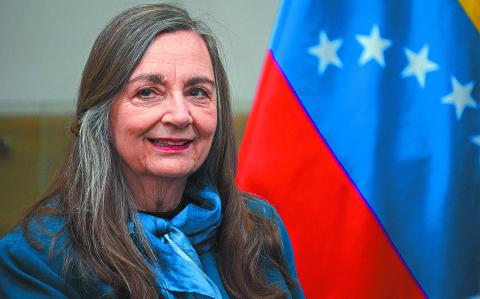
x: 99, y: 195
x: 95, y: 200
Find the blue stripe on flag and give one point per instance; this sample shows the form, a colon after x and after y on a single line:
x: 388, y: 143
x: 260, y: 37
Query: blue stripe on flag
x: 393, y: 86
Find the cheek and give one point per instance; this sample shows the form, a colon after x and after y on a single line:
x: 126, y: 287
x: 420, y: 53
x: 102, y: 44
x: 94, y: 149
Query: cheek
x: 209, y: 126
x: 123, y: 143
x: 127, y: 142
x: 206, y: 127
x: 129, y: 126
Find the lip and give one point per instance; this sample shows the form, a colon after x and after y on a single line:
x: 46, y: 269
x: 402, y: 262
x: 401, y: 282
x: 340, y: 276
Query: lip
x: 171, y: 145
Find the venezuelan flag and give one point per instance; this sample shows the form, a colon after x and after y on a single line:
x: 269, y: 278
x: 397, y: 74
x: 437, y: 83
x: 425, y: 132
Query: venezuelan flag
x: 365, y: 135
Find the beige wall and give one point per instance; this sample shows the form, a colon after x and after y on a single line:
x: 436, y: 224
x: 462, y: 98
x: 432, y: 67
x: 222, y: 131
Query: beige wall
x: 44, y: 45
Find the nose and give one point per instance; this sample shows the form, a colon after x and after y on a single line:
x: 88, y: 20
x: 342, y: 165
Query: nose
x: 178, y: 112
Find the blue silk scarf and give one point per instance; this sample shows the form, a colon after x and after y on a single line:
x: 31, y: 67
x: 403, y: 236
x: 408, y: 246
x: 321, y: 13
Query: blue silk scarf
x: 178, y: 268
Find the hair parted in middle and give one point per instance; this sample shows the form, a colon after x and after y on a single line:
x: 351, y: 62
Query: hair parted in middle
x: 95, y: 199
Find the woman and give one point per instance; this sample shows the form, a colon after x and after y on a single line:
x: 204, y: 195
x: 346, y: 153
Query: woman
x: 146, y: 205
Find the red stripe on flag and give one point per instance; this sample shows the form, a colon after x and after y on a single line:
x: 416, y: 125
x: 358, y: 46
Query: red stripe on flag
x: 341, y: 250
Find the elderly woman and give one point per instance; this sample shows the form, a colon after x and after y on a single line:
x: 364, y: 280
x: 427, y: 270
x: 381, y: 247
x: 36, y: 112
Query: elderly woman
x: 146, y: 205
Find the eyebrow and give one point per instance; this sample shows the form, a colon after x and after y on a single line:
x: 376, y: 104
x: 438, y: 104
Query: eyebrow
x: 197, y: 80
x: 160, y: 79
x: 154, y: 78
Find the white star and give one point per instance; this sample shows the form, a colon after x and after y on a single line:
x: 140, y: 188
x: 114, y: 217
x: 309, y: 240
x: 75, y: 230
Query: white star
x: 476, y: 140
x: 460, y: 97
x: 419, y: 65
x: 326, y: 51
x: 373, y: 46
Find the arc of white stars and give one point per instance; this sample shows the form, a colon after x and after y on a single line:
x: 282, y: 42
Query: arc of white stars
x: 373, y: 46
x: 460, y: 97
x: 419, y: 65
x: 326, y: 52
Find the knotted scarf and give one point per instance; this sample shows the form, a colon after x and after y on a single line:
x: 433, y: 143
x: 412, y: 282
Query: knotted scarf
x: 178, y: 268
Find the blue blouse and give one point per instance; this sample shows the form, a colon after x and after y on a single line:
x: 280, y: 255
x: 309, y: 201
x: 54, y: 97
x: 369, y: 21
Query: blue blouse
x: 185, y: 267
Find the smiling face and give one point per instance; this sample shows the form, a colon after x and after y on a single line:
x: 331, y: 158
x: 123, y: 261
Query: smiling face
x: 164, y: 120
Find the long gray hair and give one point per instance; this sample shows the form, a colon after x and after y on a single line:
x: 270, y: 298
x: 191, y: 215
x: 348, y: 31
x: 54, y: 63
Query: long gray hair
x: 95, y: 199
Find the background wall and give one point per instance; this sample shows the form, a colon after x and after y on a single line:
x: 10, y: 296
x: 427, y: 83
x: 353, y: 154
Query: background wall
x: 43, y: 47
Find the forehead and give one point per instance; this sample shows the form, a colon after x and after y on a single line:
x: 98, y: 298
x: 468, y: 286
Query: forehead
x: 176, y: 50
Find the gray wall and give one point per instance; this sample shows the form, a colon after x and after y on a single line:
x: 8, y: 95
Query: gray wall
x: 44, y: 44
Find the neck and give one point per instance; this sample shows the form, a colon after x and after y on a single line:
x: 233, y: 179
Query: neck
x: 154, y: 194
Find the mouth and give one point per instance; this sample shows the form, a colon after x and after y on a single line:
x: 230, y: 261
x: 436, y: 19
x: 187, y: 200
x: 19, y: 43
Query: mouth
x: 170, y: 144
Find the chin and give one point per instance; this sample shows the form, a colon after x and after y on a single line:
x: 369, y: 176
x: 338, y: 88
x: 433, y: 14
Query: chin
x: 172, y: 173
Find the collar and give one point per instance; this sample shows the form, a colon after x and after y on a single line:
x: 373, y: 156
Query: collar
x: 178, y: 268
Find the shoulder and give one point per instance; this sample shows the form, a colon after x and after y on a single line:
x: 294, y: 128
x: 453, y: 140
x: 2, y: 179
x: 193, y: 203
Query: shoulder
x: 36, y: 235
x: 260, y: 207
x: 32, y: 263
x: 29, y: 266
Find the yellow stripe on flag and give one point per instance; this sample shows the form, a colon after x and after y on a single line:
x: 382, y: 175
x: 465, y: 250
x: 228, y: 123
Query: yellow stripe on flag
x: 472, y: 8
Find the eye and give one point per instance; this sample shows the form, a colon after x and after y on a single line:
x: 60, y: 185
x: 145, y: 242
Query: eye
x: 147, y: 96
x: 145, y: 92
x: 198, y: 92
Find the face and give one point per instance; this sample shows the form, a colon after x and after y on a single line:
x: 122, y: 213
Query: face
x: 164, y: 120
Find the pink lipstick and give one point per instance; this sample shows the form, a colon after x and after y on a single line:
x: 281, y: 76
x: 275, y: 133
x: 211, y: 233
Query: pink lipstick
x: 170, y: 144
